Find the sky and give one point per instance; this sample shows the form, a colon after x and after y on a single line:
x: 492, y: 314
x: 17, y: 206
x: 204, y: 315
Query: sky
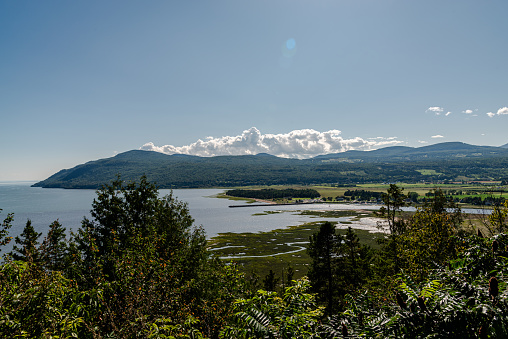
x: 84, y: 80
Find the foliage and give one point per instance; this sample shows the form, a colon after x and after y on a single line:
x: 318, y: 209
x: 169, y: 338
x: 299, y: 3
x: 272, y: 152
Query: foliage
x: 28, y: 243
x: 362, y: 194
x: 498, y: 219
x: 430, y: 237
x: 272, y: 193
x: 267, y: 315
x: 340, y: 265
x: 322, y: 249
x: 4, y: 229
x: 140, y: 269
x: 38, y: 304
x: 466, y: 299
x: 393, y: 201
x: 54, y: 247
x: 179, y: 171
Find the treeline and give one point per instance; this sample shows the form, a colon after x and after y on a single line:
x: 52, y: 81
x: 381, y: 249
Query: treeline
x: 479, y: 201
x: 362, y: 195
x: 140, y: 269
x: 272, y: 193
x: 179, y: 171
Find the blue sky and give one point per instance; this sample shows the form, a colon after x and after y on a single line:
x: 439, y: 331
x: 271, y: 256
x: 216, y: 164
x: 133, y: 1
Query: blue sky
x: 82, y: 80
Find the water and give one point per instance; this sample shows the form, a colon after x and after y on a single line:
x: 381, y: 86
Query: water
x: 45, y: 205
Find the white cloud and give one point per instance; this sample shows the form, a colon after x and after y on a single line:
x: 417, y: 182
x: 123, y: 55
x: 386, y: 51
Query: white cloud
x: 437, y: 136
x: 468, y: 111
x: 448, y: 113
x: 300, y: 144
x: 490, y: 114
x: 423, y: 142
x: 437, y: 110
x: 502, y: 111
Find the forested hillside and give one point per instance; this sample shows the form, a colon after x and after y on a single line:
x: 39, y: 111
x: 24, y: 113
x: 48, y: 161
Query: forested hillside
x: 449, y: 161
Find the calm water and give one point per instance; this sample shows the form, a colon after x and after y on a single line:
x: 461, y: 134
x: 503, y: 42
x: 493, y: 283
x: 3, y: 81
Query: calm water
x: 43, y: 206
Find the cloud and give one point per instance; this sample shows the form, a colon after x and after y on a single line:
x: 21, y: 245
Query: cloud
x: 437, y: 110
x: 423, y: 142
x: 299, y: 144
x: 448, y: 113
x: 437, y: 136
x: 468, y: 111
x: 502, y: 111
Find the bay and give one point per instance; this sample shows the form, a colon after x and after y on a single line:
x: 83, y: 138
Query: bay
x: 45, y: 205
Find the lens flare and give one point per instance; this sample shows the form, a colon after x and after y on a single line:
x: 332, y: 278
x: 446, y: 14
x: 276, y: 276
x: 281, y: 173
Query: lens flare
x: 290, y: 43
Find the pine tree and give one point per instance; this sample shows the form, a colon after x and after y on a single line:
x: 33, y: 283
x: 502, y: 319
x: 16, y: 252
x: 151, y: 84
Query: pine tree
x: 322, y: 250
x: 54, y: 247
x: 354, y: 261
x: 28, y: 244
x: 4, y: 229
x: 270, y: 281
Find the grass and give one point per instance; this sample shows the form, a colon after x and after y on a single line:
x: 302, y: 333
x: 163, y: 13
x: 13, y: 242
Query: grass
x: 428, y: 172
x: 420, y: 188
x: 265, y: 251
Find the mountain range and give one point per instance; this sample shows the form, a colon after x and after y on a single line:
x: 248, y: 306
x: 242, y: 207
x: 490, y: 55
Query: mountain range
x: 447, y: 161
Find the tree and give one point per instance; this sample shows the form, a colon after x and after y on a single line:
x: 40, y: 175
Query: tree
x: 429, y: 238
x: 28, y: 242
x: 354, y: 262
x: 125, y: 213
x: 4, y: 230
x: 54, y: 247
x: 498, y: 222
x: 413, y: 196
x: 394, y: 199
x: 390, y: 260
x: 270, y: 281
x: 151, y: 262
x: 322, y: 249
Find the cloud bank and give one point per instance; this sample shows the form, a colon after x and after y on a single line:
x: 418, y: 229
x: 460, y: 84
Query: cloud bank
x: 299, y: 144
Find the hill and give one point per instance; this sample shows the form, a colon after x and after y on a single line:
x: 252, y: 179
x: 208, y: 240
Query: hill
x: 446, y: 161
x: 444, y: 150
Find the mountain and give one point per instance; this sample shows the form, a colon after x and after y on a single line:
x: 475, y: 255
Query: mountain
x: 444, y: 150
x: 504, y: 146
x: 169, y: 171
x: 448, y: 161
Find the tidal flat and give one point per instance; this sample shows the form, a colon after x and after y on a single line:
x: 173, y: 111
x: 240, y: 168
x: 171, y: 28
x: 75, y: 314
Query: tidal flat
x: 277, y: 250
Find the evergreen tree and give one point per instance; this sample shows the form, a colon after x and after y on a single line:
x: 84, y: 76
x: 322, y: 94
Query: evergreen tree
x: 4, y: 230
x: 322, y: 249
x: 270, y: 281
x: 28, y: 244
x: 354, y: 261
x: 394, y: 199
x: 54, y: 247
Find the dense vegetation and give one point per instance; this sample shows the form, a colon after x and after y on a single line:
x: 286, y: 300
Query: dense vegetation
x: 140, y: 269
x: 442, y: 162
x: 272, y: 193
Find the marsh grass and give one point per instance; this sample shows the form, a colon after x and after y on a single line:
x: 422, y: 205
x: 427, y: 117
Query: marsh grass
x: 265, y: 251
